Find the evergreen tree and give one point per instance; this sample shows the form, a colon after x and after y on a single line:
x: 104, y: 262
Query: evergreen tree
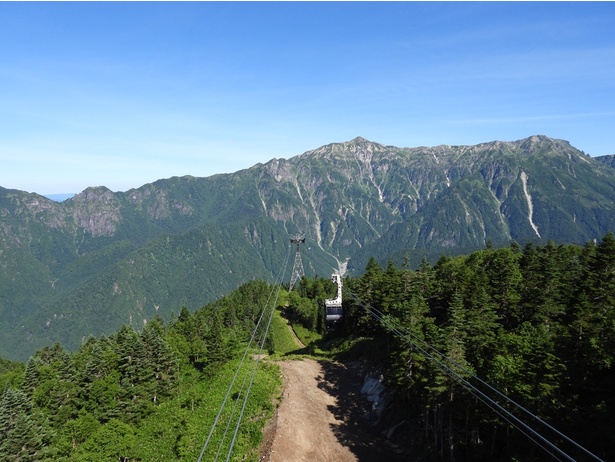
x: 217, y: 351
x: 187, y: 340
x: 159, y: 366
x: 590, y: 347
x: 369, y: 289
x: 22, y: 438
x: 504, y: 276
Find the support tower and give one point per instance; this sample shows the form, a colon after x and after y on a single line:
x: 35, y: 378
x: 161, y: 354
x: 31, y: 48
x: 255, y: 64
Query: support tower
x: 298, y: 271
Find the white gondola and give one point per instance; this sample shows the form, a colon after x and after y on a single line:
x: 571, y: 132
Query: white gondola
x: 333, y: 307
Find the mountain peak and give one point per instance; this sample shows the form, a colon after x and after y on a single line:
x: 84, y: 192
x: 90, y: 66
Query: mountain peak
x: 538, y: 143
x: 359, y: 139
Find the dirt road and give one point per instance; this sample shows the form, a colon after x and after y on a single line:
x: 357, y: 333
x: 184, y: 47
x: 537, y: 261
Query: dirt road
x: 321, y: 417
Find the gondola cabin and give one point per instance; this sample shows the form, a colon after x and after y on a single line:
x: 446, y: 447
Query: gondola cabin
x: 333, y: 307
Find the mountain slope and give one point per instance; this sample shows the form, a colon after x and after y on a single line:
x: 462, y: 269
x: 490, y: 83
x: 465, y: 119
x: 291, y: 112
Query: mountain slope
x: 535, y: 189
x: 100, y: 259
x: 607, y: 160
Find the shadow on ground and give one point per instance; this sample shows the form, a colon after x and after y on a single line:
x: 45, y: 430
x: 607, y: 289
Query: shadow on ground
x: 343, y: 380
x: 352, y: 410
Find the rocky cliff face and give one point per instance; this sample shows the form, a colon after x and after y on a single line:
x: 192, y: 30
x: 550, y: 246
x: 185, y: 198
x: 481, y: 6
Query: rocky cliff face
x: 102, y: 254
x: 349, y: 195
x: 607, y: 160
x: 96, y: 210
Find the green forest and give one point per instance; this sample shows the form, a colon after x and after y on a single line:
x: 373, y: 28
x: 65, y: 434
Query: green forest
x: 138, y: 396
x: 536, y: 324
x: 533, y: 324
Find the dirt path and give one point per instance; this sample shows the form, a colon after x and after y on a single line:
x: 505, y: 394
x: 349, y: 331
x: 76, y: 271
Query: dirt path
x: 321, y: 417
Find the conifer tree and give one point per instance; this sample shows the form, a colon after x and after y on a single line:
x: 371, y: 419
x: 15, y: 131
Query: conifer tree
x: 187, y: 340
x: 216, y: 347
x: 22, y: 438
x: 159, y: 367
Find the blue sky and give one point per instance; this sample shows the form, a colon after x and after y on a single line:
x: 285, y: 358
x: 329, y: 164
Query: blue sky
x: 122, y: 94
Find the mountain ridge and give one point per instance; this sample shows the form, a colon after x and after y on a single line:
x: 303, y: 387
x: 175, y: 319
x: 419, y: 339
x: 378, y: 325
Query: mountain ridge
x: 116, y: 256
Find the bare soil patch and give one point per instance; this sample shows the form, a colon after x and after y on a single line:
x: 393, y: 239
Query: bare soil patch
x: 322, y: 418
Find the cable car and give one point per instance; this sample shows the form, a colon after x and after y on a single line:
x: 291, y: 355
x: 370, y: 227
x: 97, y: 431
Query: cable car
x: 333, y: 307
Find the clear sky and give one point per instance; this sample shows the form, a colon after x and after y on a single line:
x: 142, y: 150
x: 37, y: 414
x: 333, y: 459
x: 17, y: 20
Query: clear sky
x: 122, y: 94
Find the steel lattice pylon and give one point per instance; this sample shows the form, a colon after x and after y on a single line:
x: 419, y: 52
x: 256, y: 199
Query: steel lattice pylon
x: 298, y: 271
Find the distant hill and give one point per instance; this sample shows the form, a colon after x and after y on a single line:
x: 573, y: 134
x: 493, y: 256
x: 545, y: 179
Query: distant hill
x: 607, y: 160
x: 101, y: 259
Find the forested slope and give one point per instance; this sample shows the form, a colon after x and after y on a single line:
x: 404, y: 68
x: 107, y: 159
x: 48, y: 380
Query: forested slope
x: 530, y: 329
x: 537, y: 323
x: 138, y: 396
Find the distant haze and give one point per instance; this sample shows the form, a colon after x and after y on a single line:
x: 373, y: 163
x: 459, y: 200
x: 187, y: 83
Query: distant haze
x: 59, y: 197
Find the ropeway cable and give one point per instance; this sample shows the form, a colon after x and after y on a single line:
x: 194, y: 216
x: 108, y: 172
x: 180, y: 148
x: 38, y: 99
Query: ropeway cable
x: 238, y: 369
x: 223, y: 405
x: 258, y: 358
x: 502, y: 395
x: 254, y: 332
x: 246, y: 394
x: 481, y: 396
x: 230, y: 418
x: 388, y: 323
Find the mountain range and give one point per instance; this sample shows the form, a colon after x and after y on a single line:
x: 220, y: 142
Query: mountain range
x: 101, y: 259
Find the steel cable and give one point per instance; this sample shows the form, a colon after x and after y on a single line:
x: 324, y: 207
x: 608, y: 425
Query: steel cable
x: 230, y: 388
x: 470, y: 387
x: 258, y: 358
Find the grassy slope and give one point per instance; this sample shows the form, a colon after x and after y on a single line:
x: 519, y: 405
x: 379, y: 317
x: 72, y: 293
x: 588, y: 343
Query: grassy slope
x: 179, y: 428
x: 283, y: 340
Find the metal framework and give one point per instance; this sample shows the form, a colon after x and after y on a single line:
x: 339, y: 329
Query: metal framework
x: 298, y: 271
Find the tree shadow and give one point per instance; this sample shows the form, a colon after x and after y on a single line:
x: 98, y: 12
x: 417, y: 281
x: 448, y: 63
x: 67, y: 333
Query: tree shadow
x: 355, y: 429
x: 343, y: 379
